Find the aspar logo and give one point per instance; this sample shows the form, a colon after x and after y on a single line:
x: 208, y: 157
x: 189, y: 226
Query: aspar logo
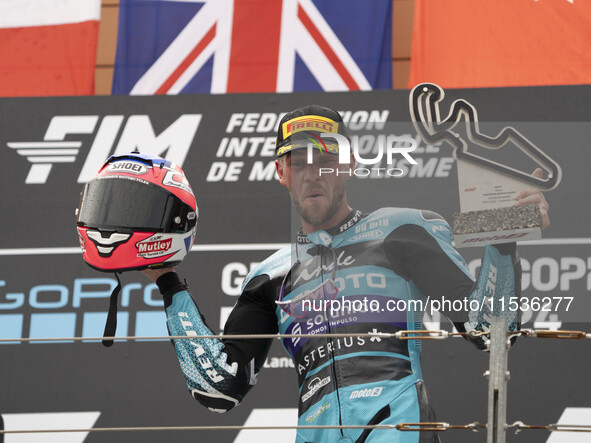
x: 314, y: 386
x: 59, y: 144
x: 154, y: 247
x: 364, y: 393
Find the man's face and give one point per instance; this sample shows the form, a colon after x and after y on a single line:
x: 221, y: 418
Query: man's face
x: 317, y: 196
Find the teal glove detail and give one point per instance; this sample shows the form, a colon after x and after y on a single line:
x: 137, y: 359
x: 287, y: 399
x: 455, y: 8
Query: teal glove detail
x: 498, y: 283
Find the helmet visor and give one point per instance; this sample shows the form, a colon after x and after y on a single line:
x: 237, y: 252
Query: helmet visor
x: 120, y: 202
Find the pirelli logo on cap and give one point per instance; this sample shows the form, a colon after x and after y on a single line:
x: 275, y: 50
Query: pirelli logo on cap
x: 309, y: 123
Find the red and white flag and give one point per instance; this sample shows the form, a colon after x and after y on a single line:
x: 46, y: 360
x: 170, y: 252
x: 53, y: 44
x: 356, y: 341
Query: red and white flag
x: 48, y: 47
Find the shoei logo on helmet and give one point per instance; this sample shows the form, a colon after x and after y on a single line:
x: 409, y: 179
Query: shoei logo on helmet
x: 137, y: 221
x: 131, y: 167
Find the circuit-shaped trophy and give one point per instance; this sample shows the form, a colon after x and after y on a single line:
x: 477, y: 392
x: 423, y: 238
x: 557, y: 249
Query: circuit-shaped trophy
x: 487, y: 188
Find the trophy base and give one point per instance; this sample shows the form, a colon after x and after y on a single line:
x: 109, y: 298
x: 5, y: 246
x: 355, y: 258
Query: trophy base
x: 500, y: 225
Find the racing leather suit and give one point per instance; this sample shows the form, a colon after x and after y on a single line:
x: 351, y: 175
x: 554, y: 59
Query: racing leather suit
x: 385, y: 264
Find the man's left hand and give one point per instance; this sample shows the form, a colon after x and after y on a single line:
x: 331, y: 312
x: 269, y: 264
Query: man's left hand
x: 534, y: 196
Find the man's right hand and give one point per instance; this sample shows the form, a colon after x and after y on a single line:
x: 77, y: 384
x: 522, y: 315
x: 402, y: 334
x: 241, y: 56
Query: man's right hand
x: 154, y: 274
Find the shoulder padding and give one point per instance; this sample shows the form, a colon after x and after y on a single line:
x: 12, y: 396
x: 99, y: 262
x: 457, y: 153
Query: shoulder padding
x: 404, y: 216
x: 277, y: 263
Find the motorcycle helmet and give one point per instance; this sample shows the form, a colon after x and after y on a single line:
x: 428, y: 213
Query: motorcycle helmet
x: 138, y: 211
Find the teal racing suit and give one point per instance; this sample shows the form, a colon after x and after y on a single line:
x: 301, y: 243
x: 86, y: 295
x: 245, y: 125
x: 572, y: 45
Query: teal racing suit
x: 373, y: 273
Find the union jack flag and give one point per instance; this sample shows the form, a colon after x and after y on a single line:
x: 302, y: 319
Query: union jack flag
x: 221, y: 46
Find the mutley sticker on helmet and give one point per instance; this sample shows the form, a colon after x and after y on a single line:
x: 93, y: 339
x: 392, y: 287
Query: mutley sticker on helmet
x: 154, y: 246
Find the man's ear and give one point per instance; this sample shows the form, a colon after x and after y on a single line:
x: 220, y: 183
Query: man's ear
x: 281, y: 171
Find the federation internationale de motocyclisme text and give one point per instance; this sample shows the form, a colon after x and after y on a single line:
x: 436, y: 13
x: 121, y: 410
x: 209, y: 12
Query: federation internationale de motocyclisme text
x: 489, y: 304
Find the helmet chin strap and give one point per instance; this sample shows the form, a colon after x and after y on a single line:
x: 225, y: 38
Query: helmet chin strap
x: 111, y: 325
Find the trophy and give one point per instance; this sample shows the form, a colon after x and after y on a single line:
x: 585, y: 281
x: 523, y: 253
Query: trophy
x: 487, y: 188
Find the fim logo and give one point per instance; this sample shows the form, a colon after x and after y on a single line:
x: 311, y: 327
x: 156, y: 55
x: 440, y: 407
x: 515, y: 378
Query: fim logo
x: 136, y: 133
x: 53, y: 148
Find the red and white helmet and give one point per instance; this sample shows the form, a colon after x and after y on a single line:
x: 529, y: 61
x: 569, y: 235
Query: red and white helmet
x: 139, y: 211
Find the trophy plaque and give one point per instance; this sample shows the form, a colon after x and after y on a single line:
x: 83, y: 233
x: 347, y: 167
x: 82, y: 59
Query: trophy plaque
x: 487, y: 188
